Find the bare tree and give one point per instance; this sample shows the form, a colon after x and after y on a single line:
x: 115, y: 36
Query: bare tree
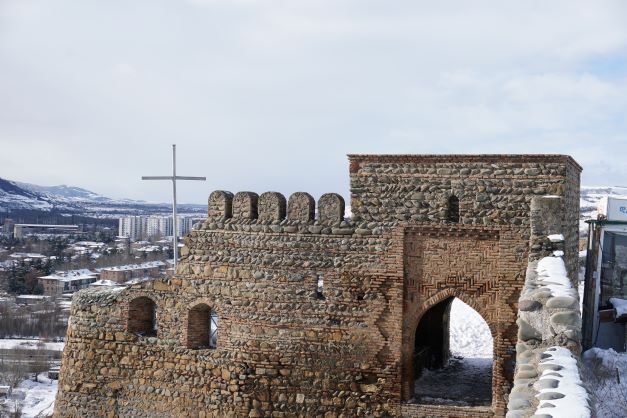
x: 14, y: 367
x: 40, y: 361
x: 17, y: 408
x: 11, y: 409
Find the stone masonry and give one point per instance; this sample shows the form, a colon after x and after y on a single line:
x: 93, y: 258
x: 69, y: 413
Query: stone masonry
x: 318, y: 314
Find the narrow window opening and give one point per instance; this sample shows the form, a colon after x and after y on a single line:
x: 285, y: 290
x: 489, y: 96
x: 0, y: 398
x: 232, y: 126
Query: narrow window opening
x: 142, y: 316
x: 213, y: 330
x: 453, y: 209
x: 320, y: 286
x: 202, y: 327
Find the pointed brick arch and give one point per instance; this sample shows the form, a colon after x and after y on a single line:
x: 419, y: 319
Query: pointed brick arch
x: 459, y: 294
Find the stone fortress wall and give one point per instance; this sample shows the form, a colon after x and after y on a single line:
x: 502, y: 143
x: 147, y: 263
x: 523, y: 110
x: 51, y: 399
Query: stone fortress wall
x: 317, y: 315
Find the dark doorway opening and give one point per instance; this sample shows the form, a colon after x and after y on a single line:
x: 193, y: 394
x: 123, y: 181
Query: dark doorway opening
x: 450, y: 365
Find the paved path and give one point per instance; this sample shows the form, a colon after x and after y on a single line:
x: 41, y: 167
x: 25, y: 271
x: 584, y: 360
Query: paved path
x: 464, y: 382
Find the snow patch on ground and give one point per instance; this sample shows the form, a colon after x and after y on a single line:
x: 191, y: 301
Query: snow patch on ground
x: 35, y: 398
x: 605, y: 373
x: 556, y: 238
x: 28, y: 344
x: 620, y: 305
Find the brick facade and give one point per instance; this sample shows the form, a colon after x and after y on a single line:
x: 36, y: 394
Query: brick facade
x: 283, y: 350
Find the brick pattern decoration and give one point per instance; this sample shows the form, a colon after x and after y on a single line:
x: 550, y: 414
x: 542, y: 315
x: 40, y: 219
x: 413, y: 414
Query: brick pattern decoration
x: 441, y: 411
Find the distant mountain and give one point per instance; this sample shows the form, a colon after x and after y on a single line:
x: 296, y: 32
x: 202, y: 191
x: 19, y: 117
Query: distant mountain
x: 75, y: 200
x: 64, y: 191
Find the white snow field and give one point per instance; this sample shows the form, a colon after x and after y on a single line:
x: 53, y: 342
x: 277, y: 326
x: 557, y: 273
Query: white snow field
x: 29, y: 344
x: 469, y: 333
x: 36, y: 399
x: 605, y: 375
x: 39, y: 401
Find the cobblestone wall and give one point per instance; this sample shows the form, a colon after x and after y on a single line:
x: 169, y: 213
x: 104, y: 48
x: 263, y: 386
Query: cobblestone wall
x: 286, y: 345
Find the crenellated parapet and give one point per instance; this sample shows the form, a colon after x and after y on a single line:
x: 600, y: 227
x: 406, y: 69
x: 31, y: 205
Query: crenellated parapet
x: 271, y: 212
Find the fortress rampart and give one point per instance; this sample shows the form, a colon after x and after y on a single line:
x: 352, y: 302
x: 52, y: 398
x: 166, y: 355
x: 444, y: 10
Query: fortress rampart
x: 309, y: 313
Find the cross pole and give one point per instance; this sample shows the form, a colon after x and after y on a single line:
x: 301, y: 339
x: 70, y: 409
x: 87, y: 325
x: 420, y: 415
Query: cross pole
x: 174, y: 178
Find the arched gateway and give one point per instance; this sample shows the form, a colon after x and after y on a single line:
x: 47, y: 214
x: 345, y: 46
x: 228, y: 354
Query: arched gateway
x: 322, y: 316
x: 479, y: 265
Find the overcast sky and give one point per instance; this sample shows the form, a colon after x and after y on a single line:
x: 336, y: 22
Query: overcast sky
x: 272, y: 95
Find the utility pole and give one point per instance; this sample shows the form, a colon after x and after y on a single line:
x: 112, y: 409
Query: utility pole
x: 174, y: 178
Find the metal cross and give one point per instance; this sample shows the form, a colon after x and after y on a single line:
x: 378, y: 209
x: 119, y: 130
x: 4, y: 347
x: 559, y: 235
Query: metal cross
x: 174, y: 178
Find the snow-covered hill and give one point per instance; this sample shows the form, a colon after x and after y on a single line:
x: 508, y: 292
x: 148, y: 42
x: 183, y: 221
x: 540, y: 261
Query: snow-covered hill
x: 590, y: 196
x: 75, y: 200
x: 69, y: 192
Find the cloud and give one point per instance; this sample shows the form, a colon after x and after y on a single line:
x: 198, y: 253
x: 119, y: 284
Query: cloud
x: 551, y: 87
x: 267, y: 95
x: 124, y: 70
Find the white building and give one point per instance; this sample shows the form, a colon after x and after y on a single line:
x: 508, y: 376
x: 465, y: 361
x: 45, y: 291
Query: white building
x: 133, y: 227
x: 159, y: 226
x: 67, y: 281
x: 142, y: 227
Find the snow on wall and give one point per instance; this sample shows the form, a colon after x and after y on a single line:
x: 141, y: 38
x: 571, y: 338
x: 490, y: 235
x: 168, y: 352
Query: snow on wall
x: 561, y: 391
x: 547, y: 380
x: 620, y: 305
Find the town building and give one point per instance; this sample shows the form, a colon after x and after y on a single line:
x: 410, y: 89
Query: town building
x: 63, y: 282
x: 29, y: 258
x: 121, y: 274
x: 145, y: 227
x: 23, y: 230
x: 8, y: 227
x: 30, y: 299
x: 133, y: 227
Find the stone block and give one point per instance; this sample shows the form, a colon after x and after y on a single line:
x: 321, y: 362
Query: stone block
x: 245, y: 205
x: 301, y: 207
x: 272, y: 207
x: 331, y: 208
x: 220, y: 205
